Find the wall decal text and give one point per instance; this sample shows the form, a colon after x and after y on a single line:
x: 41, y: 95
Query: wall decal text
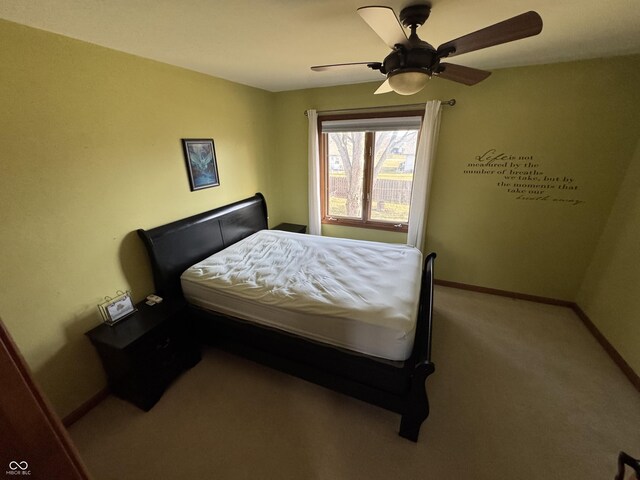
x: 524, y: 178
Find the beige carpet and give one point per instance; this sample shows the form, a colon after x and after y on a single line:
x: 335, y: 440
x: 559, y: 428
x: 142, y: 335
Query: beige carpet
x: 521, y: 391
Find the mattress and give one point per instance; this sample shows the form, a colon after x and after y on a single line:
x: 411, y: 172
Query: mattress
x: 362, y: 296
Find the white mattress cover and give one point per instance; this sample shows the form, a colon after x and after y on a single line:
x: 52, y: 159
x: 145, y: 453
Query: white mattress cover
x: 354, y: 294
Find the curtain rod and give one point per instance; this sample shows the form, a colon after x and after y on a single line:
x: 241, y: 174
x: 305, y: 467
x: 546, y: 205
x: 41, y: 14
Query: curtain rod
x: 449, y: 103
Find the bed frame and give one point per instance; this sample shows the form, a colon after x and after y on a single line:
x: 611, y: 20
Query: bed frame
x: 396, y: 386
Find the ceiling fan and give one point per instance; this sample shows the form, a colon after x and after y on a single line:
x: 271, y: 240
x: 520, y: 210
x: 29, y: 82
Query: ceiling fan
x: 413, y: 61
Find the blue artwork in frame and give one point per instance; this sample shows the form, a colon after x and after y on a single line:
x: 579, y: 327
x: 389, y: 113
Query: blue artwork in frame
x: 200, y: 155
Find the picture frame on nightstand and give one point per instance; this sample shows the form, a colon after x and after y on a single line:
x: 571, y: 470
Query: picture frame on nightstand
x: 112, y: 310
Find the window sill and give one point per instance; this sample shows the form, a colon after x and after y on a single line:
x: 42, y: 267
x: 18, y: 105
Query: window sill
x: 389, y: 227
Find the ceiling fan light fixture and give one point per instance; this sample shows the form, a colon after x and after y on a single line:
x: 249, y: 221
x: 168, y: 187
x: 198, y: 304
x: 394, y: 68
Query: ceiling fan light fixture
x: 408, y: 82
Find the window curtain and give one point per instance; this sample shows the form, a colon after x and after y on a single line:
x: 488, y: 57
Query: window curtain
x: 422, y: 174
x: 315, y: 227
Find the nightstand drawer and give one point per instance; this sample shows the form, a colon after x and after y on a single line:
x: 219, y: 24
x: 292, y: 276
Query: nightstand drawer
x: 165, y: 353
x: 159, y: 343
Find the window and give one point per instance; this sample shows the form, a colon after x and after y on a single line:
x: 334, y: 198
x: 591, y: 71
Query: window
x: 367, y: 169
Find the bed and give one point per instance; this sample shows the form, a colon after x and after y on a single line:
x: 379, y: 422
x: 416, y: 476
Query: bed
x: 389, y: 370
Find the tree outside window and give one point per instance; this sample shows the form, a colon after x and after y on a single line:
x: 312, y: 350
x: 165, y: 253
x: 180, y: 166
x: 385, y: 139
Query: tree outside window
x: 368, y: 176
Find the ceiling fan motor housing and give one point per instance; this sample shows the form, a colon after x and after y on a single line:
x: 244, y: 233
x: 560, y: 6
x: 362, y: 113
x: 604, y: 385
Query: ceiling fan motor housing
x: 416, y: 54
x: 424, y: 59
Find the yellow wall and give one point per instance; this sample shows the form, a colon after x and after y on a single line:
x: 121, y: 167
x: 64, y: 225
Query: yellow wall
x: 90, y: 152
x: 609, y: 293
x: 576, y: 119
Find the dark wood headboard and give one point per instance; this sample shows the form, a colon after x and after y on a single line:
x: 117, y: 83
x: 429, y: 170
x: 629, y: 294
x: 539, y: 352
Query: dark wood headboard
x: 176, y: 246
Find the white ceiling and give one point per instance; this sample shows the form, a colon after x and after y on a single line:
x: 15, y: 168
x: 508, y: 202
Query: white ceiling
x: 271, y: 44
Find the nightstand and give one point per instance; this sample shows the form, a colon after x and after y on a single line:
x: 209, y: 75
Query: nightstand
x: 146, y: 351
x: 291, y: 227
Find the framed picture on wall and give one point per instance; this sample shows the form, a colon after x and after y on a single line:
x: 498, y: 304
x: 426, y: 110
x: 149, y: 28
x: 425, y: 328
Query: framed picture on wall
x: 202, y: 167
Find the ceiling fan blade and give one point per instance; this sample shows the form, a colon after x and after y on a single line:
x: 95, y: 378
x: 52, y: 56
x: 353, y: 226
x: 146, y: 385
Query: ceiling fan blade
x: 384, y: 88
x: 384, y: 22
x: 461, y: 74
x: 521, y: 26
x: 322, y: 68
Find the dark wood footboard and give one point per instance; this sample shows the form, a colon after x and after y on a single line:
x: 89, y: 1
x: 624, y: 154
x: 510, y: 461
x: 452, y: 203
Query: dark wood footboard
x: 417, y: 408
x: 417, y: 401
